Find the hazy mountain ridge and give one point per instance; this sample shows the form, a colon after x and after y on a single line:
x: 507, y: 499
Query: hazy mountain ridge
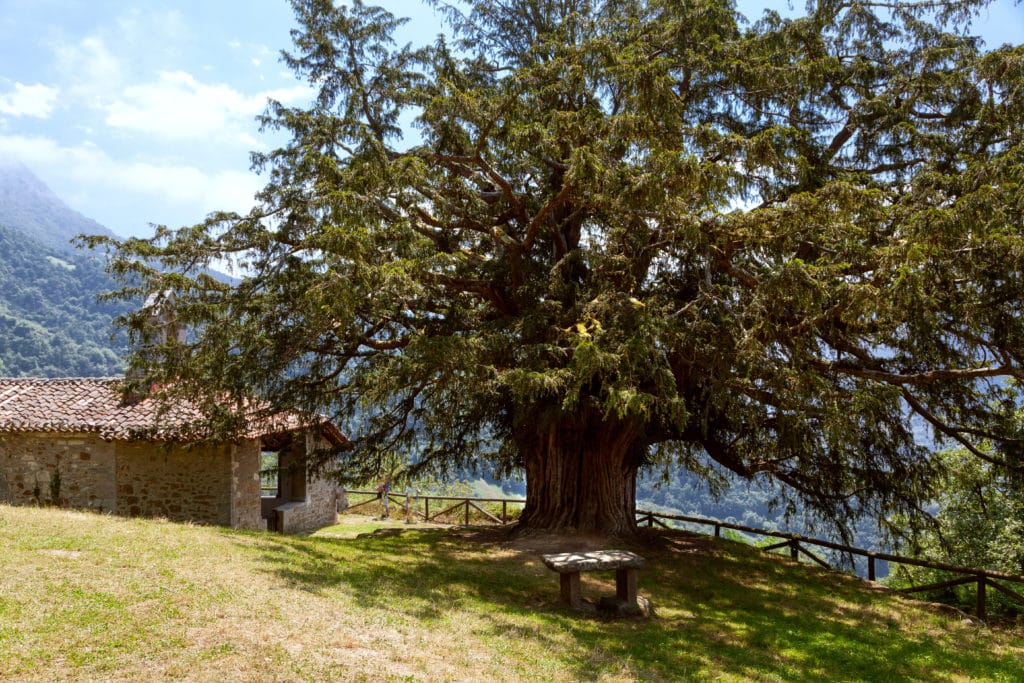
x: 30, y: 207
x: 51, y: 323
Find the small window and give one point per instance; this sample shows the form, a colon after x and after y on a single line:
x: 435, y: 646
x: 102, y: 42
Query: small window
x: 270, y: 474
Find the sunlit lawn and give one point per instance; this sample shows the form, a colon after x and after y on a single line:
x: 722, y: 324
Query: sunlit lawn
x: 87, y: 597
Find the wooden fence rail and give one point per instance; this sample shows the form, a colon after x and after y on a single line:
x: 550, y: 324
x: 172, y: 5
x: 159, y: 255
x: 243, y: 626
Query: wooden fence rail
x: 983, y: 578
x: 466, y: 503
x: 796, y: 544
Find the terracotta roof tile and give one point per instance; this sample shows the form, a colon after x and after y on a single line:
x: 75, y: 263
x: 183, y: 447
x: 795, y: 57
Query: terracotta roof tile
x: 95, y: 405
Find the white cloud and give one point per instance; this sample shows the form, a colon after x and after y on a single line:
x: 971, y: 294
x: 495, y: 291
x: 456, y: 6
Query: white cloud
x: 179, y: 106
x: 220, y: 190
x: 163, y: 30
x: 90, y: 68
x: 250, y: 141
x: 194, y: 190
x: 297, y: 93
x: 29, y: 100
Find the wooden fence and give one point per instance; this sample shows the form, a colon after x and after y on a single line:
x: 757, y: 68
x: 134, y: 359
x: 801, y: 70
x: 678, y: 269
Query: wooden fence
x: 796, y: 543
x: 461, y: 507
x: 409, y: 503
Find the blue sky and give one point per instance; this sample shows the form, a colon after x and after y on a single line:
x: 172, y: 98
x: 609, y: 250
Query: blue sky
x: 143, y: 112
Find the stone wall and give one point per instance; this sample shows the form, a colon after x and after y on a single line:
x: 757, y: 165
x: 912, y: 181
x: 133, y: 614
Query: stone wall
x: 245, y: 486
x: 318, y: 508
x: 58, y: 469
x: 207, y: 484
x: 178, y: 482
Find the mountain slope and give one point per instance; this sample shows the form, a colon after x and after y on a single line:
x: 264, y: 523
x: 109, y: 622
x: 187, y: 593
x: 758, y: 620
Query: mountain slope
x: 29, y: 206
x: 50, y: 321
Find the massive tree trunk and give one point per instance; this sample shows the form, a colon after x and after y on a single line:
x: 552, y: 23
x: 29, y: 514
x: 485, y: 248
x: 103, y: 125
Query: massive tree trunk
x: 581, y: 474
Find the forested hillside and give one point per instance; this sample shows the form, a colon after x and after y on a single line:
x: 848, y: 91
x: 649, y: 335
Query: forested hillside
x: 51, y: 323
x: 753, y: 504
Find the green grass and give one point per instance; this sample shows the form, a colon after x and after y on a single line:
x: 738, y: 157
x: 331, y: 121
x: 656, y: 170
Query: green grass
x: 87, y: 597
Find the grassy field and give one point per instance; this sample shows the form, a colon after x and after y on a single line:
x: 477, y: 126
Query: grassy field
x: 86, y: 597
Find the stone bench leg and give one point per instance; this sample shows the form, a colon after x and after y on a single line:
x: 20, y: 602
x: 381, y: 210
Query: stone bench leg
x: 625, y: 585
x: 570, y: 584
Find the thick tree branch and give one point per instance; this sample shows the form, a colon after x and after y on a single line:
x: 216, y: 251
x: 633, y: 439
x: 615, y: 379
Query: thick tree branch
x: 952, y: 432
x: 917, y: 378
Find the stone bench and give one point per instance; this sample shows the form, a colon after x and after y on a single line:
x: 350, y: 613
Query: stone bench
x: 625, y: 564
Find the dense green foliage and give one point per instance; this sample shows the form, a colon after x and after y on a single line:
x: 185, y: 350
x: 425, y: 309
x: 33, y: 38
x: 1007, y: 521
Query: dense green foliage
x: 51, y: 324
x: 630, y: 233
x: 980, y: 523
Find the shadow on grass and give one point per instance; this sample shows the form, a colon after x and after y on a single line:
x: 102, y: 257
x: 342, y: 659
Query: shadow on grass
x: 723, y: 610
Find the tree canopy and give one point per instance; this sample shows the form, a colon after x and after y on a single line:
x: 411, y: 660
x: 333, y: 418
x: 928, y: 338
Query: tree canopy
x: 580, y: 237
x: 980, y: 523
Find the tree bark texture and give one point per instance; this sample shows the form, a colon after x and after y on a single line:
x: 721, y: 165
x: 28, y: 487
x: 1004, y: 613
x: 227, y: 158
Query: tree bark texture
x: 581, y: 475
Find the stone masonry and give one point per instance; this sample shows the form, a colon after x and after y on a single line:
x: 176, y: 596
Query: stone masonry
x: 58, y: 469
x: 316, y: 507
x: 86, y: 443
x: 205, y: 484
x: 245, y: 485
x: 175, y: 482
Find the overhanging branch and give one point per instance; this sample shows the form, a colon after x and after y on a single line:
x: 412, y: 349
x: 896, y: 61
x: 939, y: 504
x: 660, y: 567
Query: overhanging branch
x: 952, y: 432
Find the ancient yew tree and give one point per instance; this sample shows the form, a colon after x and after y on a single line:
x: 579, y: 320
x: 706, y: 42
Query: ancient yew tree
x: 578, y: 238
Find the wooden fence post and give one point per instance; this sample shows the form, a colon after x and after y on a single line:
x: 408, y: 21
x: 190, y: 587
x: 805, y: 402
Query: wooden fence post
x: 467, y: 512
x: 796, y: 542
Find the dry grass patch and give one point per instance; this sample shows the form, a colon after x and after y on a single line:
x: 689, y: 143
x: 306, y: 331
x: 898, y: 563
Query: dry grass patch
x: 89, y: 597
